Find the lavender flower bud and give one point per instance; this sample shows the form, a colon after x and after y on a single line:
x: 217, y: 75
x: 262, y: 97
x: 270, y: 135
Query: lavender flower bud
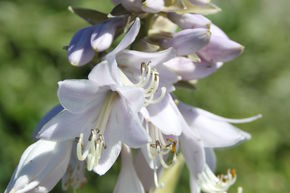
x: 188, y: 20
x: 80, y: 51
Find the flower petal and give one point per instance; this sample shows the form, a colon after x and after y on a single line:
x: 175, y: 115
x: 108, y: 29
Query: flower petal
x: 41, y: 161
x: 153, y: 6
x: 103, y: 36
x: 67, y: 125
x: 78, y: 95
x: 210, y: 158
x: 105, y: 74
x: 126, y: 41
x: 190, y: 70
x: 52, y: 113
x: 189, y: 21
x: 214, y: 132
x: 133, y: 96
x: 80, y: 51
x: 166, y: 116
x: 145, y: 173
x: 192, y: 150
x: 187, y: 41
x: 128, y: 180
x: 127, y: 125
x: 220, y: 49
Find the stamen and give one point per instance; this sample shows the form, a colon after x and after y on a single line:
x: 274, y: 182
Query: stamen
x: 96, y: 142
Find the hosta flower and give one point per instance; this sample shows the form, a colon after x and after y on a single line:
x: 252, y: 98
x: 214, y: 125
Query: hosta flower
x: 41, y: 166
x: 208, y: 130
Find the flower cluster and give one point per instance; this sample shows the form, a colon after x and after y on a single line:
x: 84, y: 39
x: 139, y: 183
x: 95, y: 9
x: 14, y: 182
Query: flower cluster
x: 141, y: 50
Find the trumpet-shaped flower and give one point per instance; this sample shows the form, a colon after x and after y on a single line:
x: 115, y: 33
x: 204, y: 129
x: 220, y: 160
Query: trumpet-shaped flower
x: 41, y: 166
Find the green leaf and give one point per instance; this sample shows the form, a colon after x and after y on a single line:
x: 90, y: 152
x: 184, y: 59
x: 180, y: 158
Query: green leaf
x: 90, y: 15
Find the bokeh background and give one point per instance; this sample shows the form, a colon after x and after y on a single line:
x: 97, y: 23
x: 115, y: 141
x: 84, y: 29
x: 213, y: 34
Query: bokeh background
x: 33, y: 33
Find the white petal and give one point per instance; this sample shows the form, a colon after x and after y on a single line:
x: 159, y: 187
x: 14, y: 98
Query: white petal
x: 192, y: 150
x: 210, y: 158
x: 37, y: 164
x: 214, y: 131
x: 190, y: 70
x: 187, y: 41
x: 79, y: 95
x: 133, y: 96
x: 105, y: 74
x: 68, y: 125
x: 52, y: 113
x: 166, y: 116
x: 127, y: 40
x: 194, y: 188
x: 128, y: 180
x: 127, y: 125
x: 145, y: 173
x: 189, y: 21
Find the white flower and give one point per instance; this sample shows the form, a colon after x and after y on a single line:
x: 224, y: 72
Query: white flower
x: 41, y: 166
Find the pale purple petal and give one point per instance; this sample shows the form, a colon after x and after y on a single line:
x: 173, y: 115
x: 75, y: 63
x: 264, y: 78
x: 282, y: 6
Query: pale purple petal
x: 78, y: 95
x: 192, y: 150
x: 215, y: 133
x: 187, y: 41
x: 133, y: 96
x: 166, y: 116
x: 66, y: 125
x: 153, y: 6
x: 194, y: 188
x: 80, y: 51
x: 126, y: 41
x: 47, y: 117
x: 128, y: 180
x: 105, y: 74
x: 220, y: 49
x: 145, y: 173
x: 42, y: 161
x: 127, y: 125
x: 103, y: 35
x: 210, y: 158
x: 189, y: 70
x: 189, y: 21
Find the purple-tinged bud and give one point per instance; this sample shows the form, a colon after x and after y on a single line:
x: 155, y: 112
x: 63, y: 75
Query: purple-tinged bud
x: 187, y: 41
x: 189, y: 70
x: 153, y: 6
x: 103, y: 34
x: 80, y: 51
x: 220, y: 49
x: 132, y: 5
x: 189, y: 21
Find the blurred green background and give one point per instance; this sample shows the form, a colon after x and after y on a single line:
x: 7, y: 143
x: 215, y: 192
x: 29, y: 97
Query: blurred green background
x: 33, y: 32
